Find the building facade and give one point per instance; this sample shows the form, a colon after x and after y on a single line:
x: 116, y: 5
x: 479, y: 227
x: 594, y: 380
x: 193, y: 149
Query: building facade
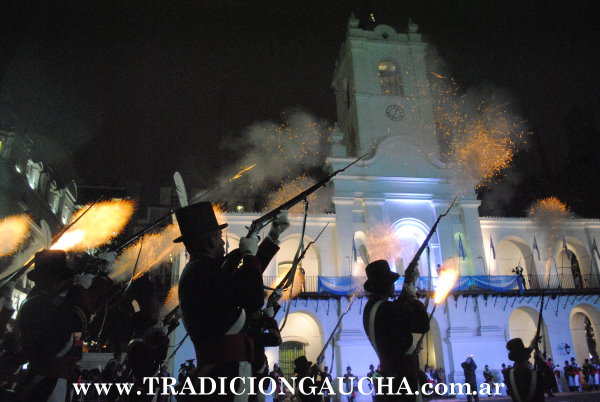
x: 383, y: 110
x: 29, y: 185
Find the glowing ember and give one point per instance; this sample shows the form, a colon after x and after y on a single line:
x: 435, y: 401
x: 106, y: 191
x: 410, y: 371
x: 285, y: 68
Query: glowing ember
x: 13, y: 232
x: 382, y: 243
x: 445, y: 284
x: 318, y: 202
x: 241, y: 172
x: 548, y: 215
x: 295, y: 144
x: 157, y: 248
x: 100, y: 224
x: 68, y: 240
x: 479, y: 156
x: 479, y: 135
x: 550, y: 206
x: 171, y: 302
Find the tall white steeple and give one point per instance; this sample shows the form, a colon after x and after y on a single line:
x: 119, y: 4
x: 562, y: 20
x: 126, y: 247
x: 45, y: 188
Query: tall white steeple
x: 382, y: 91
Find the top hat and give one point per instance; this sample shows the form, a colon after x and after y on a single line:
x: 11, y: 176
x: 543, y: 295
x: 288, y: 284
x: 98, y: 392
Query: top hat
x: 379, y: 276
x: 196, y: 220
x: 50, y: 266
x: 516, y: 350
x: 301, y: 362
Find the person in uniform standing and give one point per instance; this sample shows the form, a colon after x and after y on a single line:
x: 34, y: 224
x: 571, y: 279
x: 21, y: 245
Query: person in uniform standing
x: 469, y: 368
x: 215, y: 295
x: 50, y: 323
x: 526, y: 384
x: 389, y: 325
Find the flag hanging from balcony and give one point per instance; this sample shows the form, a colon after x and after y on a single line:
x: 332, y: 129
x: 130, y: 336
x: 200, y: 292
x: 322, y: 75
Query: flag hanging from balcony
x: 595, y: 248
x: 461, y: 249
x: 535, y: 248
x: 492, y: 248
x: 354, y: 252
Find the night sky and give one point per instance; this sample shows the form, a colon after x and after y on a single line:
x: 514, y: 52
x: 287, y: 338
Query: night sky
x: 118, y: 92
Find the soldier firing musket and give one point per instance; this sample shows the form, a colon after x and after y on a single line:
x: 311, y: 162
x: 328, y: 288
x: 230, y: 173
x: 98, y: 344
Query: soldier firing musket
x: 389, y: 324
x: 214, y: 302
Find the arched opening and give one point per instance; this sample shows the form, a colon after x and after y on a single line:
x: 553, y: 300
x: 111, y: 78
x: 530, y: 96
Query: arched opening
x: 574, y: 264
x: 53, y: 196
x: 522, y: 323
x: 302, y: 334
x: 570, y: 269
x: 310, y: 265
x: 389, y: 78
x: 410, y: 234
x: 584, y: 321
x: 33, y: 173
x: 360, y: 255
x: 513, y: 255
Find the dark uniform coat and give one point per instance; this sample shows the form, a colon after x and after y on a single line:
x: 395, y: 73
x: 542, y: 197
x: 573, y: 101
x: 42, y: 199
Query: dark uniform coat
x: 389, y: 326
x: 46, y: 324
x: 528, y: 385
x: 469, y: 368
x: 213, y: 301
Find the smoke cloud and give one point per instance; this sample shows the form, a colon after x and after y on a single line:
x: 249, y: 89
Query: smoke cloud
x: 275, y: 156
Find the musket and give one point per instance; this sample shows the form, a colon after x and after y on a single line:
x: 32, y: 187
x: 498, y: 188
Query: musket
x: 536, y: 345
x: 18, y: 273
x: 287, y: 280
x: 257, y: 224
x: 321, y: 356
x: 415, y: 261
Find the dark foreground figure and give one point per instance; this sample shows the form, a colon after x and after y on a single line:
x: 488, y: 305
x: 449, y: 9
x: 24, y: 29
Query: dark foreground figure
x: 390, y: 324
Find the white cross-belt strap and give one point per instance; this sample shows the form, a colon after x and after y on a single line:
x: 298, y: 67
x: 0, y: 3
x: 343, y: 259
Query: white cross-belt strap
x: 515, y: 390
x: 371, y: 334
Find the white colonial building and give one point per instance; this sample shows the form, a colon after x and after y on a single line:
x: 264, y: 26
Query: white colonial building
x: 383, y: 109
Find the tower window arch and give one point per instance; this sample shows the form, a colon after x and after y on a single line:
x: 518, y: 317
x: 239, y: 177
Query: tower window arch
x: 389, y: 78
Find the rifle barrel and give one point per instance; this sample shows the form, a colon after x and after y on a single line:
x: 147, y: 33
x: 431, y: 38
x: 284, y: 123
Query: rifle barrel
x: 259, y: 223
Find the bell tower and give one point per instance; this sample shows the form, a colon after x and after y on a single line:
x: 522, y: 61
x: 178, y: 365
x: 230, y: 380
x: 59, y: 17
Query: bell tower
x: 382, y: 90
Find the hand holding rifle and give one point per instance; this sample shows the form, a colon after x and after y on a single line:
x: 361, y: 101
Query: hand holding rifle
x: 412, y: 272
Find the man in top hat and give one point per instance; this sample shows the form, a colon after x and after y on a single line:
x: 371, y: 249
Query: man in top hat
x: 350, y: 384
x: 303, y: 369
x: 50, y: 323
x: 389, y: 326
x: 526, y: 384
x: 216, y: 296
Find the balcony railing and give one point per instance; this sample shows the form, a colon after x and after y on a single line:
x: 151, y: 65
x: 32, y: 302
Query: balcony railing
x: 344, y: 285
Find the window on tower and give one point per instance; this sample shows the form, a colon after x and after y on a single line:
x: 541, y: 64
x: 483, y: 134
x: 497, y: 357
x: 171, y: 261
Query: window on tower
x: 389, y: 78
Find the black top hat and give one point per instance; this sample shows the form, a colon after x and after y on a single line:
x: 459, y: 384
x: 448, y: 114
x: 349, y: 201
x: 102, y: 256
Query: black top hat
x: 301, y: 362
x: 517, y: 351
x: 50, y: 266
x: 196, y: 220
x: 379, y: 276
